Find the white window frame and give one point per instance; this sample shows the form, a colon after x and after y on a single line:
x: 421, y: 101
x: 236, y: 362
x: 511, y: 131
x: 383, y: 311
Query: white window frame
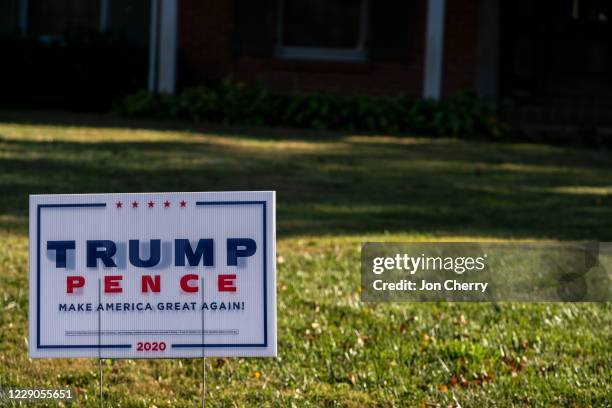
x: 358, y: 54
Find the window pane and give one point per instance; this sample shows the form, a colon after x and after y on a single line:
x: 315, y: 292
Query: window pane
x: 322, y: 23
x: 55, y: 17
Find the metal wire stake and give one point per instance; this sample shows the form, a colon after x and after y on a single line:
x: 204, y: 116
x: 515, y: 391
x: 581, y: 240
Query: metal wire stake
x: 100, y: 365
x: 100, y: 341
x: 203, y: 382
x: 203, y: 350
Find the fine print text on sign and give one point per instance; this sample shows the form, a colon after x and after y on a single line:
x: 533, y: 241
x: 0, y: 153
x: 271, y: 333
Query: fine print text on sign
x: 157, y: 275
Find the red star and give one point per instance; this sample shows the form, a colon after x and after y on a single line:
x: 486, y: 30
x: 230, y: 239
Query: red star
x: 134, y: 204
x: 119, y: 204
x: 166, y: 204
x: 151, y: 204
x: 183, y: 203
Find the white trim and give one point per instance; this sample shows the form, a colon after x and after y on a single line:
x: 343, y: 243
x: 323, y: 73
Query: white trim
x: 167, y: 46
x: 434, y: 50
x: 23, y: 17
x: 104, y: 4
x: 357, y: 54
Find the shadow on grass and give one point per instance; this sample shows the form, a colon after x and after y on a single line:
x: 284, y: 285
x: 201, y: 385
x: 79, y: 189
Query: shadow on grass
x: 327, y: 184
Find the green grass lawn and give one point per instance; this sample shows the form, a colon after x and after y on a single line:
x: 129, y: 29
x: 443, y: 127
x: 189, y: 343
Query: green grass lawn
x: 334, y: 192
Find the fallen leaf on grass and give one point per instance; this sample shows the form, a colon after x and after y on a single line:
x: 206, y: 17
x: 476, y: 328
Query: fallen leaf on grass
x: 310, y: 335
x: 478, y: 380
x: 361, y: 339
x: 461, y: 320
x: 516, y: 364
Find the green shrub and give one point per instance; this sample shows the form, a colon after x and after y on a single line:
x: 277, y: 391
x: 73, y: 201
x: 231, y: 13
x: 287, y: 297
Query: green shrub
x: 461, y: 115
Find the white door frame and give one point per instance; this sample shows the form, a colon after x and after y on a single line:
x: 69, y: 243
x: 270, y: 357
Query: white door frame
x: 434, y: 50
x: 163, y: 46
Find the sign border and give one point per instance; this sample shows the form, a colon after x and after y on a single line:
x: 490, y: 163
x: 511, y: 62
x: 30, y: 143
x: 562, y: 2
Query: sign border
x: 173, y: 345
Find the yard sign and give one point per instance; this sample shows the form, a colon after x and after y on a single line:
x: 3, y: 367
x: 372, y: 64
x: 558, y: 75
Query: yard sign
x: 157, y: 275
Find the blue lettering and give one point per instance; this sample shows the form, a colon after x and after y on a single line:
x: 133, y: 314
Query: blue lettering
x: 101, y: 249
x: 182, y: 250
x: 239, y: 248
x: 60, y: 248
x: 154, y: 256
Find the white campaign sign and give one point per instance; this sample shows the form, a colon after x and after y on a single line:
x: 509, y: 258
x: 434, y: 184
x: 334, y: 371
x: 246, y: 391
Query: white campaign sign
x: 157, y: 275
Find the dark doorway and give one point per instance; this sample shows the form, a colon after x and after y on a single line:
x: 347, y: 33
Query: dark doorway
x: 556, y: 49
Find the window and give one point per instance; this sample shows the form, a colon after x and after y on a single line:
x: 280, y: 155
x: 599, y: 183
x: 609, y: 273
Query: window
x: 322, y: 29
x: 53, y: 18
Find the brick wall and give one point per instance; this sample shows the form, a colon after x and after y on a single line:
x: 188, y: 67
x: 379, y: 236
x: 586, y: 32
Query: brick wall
x: 205, y: 54
x: 460, y: 45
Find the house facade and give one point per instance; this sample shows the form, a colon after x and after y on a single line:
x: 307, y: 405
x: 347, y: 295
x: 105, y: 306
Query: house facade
x: 422, y: 48
x: 541, y: 61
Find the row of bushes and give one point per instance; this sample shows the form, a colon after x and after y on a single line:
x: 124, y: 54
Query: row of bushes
x: 462, y: 114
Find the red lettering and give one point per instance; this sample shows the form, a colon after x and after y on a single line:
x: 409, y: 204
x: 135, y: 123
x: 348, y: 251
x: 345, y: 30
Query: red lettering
x: 185, y: 279
x: 74, y: 282
x: 111, y: 284
x: 150, y: 283
x: 226, y: 283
